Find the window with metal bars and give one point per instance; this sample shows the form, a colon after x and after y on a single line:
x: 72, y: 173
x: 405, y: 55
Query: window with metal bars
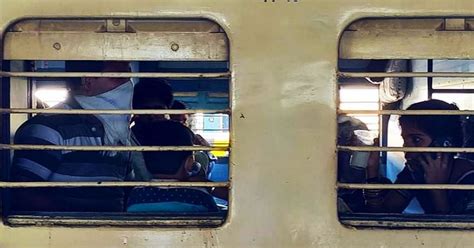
x: 422, y: 177
x: 191, y: 55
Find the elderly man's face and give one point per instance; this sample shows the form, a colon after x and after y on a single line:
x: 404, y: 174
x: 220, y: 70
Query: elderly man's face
x: 96, y: 86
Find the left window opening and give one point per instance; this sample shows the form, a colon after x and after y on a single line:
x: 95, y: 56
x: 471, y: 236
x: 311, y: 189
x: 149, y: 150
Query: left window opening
x: 189, y: 70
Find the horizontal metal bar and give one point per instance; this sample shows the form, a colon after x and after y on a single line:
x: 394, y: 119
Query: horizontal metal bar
x: 455, y: 91
x: 405, y: 149
x: 111, y: 184
x: 407, y: 112
x: 404, y: 186
x: 115, y: 74
x: 403, y: 74
x: 113, y: 111
x: 113, y: 148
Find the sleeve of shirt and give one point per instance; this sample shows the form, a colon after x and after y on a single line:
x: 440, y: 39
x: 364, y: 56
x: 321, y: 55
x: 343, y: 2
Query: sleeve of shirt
x: 36, y: 165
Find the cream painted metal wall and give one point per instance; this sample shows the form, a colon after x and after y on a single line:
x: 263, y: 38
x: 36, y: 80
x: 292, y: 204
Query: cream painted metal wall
x: 19, y: 89
x: 283, y: 59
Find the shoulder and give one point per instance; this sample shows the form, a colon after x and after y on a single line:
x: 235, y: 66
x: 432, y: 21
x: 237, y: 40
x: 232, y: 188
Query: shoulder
x: 38, y: 129
x: 58, y: 127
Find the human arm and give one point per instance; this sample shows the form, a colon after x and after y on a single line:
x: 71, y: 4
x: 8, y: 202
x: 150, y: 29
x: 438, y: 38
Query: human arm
x: 387, y: 201
x: 35, y: 166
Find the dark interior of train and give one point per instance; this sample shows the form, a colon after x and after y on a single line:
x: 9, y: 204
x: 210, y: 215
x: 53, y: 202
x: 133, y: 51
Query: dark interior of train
x: 194, y: 93
x: 377, y: 207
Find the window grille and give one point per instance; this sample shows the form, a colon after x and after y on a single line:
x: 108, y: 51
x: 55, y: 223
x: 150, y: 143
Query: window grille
x: 144, y: 41
x: 447, y: 74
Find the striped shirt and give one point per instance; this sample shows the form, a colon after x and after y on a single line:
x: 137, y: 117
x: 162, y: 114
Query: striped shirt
x: 71, y: 166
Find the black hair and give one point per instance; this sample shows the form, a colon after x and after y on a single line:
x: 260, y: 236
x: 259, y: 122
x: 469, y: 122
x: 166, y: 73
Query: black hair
x: 150, y: 90
x: 178, y: 105
x: 436, y: 126
x: 166, y: 133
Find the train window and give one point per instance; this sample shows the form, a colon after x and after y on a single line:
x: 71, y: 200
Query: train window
x: 115, y: 122
x: 414, y: 170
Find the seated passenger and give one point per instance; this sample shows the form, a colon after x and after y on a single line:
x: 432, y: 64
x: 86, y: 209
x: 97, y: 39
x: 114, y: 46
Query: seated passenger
x: 206, y: 159
x: 157, y: 94
x: 173, y: 166
x: 348, y: 172
x: 198, y: 139
x: 150, y: 93
x: 77, y: 130
x: 426, y: 168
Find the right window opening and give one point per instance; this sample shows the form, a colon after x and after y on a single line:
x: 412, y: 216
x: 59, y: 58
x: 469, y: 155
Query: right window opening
x: 414, y: 170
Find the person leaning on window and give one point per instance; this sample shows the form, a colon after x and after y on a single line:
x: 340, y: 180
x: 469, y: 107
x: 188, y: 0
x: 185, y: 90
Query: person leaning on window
x: 170, y: 166
x: 157, y: 94
x: 426, y: 168
x: 77, y: 130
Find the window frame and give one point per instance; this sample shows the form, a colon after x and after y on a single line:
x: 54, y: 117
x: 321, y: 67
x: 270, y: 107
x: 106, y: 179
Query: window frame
x: 97, y: 218
x: 385, y: 221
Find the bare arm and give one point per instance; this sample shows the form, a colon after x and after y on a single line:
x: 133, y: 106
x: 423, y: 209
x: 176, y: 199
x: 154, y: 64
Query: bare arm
x: 385, y: 201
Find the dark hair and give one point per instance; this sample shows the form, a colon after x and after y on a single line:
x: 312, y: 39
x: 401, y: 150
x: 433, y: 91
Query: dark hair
x: 178, y: 105
x: 166, y: 133
x: 91, y: 66
x: 150, y: 90
x: 436, y: 126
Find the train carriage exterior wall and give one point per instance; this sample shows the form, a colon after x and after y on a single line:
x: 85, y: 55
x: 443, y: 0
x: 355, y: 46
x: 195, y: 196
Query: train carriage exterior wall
x: 283, y: 58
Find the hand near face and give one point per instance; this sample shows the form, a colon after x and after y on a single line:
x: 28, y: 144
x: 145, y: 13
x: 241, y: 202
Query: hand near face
x: 438, y: 169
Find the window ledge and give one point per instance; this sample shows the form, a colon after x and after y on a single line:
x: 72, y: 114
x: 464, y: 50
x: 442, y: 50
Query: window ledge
x: 116, y: 219
x: 408, y: 221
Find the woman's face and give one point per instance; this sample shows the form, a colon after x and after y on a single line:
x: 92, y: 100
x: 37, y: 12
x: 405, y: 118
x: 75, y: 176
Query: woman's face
x: 414, y: 137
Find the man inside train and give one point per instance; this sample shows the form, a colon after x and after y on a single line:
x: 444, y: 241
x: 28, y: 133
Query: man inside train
x: 78, y: 130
